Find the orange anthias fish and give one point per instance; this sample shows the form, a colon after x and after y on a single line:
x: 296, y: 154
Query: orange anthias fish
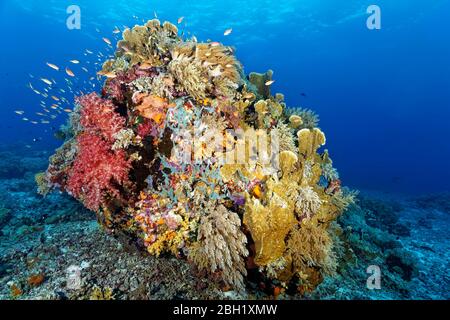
x: 110, y: 75
x: 228, y: 32
x: 46, y: 81
x: 53, y: 66
x: 180, y: 20
x: 70, y: 72
x: 107, y: 41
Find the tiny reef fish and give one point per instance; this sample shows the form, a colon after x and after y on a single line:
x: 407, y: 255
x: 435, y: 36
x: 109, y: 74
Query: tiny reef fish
x: 53, y: 66
x: 46, y: 81
x: 228, y: 32
x: 70, y: 72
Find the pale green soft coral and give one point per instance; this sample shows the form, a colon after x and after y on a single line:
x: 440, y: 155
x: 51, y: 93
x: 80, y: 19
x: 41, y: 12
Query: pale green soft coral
x: 285, y: 137
x: 309, y: 118
x: 189, y: 75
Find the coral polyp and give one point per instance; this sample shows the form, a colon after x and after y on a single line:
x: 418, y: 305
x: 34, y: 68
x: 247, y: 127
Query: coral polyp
x: 185, y: 155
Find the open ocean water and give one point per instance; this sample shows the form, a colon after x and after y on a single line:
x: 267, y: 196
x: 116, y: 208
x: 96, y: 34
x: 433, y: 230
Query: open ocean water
x: 382, y: 94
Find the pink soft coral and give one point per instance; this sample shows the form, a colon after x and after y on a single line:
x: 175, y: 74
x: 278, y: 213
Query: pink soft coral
x: 98, y: 116
x: 97, y: 171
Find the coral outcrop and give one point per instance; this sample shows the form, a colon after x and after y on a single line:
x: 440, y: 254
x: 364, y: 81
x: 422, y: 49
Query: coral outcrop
x: 185, y: 155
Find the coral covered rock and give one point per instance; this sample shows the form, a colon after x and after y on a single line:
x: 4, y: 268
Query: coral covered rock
x: 185, y: 155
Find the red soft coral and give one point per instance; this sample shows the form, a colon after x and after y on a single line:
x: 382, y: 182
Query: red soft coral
x: 148, y: 127
x: 98, y: 116
x: 116, y: 87
x: 97, y: 171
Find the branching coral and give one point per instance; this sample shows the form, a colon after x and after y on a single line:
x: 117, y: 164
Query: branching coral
x: 42, y: 184
x: 124, y: 139
x: 310, y: 250
x: 59, y: 166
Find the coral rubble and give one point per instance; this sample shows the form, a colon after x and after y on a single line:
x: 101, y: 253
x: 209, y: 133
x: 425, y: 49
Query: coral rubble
x: 185, y: 155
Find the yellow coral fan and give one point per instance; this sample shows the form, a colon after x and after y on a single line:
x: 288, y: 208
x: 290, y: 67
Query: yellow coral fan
x: 269, y: 226
x: 148, y: 43
x: 309, y: 141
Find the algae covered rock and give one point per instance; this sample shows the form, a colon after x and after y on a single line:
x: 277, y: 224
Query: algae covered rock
x: 5, y: 216
x: 185, y: 155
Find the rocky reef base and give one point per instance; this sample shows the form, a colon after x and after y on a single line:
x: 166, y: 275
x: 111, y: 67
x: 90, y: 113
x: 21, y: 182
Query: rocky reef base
x: 41, y: 238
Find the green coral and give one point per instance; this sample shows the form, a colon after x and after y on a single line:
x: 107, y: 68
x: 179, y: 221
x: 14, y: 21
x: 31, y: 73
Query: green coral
x: 98, y: 293
x: 259, y: 80
x: 309, y: 118
x: 43, y: 187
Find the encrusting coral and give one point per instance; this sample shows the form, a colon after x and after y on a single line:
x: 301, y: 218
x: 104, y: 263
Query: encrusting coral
x: 151, y: 156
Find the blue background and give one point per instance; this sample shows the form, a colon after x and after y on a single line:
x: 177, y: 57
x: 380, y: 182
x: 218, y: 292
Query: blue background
x: 383, y: 96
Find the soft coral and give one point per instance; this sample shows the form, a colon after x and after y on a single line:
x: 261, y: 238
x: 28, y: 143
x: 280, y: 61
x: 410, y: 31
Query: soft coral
x: 98, y: 116
x: 97, y: 171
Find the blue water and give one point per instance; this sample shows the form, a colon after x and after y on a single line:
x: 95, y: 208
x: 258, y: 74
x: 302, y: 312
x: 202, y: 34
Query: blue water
x: 383, y: 95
